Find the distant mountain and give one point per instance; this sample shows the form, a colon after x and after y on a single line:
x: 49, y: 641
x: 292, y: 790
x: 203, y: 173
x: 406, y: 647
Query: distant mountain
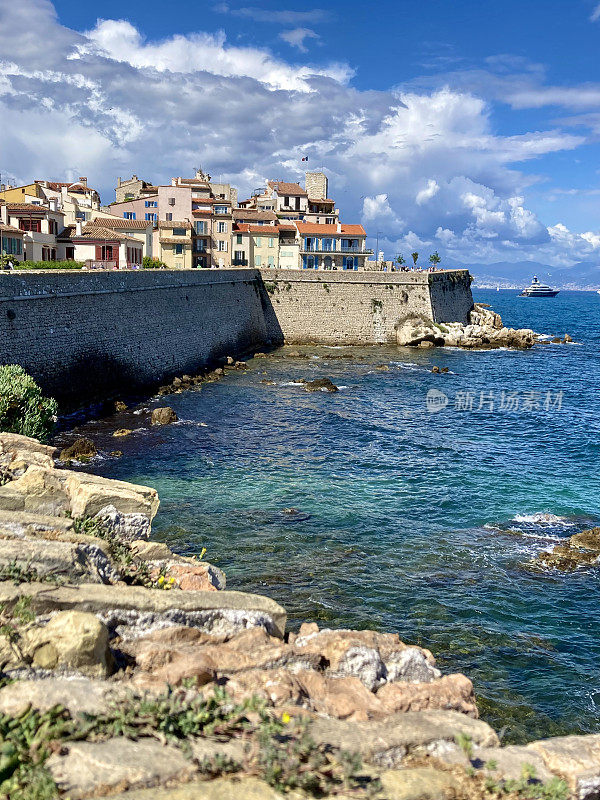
x: 516, y: 275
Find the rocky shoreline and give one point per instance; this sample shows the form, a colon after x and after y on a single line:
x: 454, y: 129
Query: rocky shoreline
x: 130, y: 671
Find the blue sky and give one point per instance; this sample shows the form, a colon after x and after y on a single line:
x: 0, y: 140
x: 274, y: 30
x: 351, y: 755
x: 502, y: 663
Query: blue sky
x: 470, y: 128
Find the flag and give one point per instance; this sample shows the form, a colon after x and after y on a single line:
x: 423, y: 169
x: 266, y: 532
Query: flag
x: 305, y: 158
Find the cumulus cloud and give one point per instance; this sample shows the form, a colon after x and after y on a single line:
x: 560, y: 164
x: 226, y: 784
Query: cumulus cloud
x: 424, y: 167
x: 428, y: 192
x: 595, y: 15
x: 297, y: 36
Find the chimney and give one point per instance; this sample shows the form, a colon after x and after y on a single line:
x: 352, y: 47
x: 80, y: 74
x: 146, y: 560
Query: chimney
x: 53, y: 202
x: 78, y: 228
x: 83, y: 181
x: 3, y: 214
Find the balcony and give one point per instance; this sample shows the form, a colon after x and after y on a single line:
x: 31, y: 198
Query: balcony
x: 239, y: 262
x: 336, y: 249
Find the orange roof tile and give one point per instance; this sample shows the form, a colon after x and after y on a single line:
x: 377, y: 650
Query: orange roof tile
x: 331, y: 230
x: 281, y: 187
x: 120, y: 222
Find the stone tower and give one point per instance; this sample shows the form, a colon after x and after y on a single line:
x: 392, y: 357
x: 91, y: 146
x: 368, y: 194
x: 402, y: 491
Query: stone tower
x: 316, y: 185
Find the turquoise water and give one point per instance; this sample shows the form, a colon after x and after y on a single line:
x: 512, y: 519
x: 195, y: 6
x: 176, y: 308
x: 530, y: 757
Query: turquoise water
x: 363, y: 509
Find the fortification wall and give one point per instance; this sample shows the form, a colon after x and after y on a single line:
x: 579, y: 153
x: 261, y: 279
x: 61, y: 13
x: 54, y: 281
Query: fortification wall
x: 88, y: 334
x: 361, y: 307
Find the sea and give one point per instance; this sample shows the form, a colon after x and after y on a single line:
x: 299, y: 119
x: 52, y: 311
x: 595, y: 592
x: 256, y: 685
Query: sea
x: 408, y: 501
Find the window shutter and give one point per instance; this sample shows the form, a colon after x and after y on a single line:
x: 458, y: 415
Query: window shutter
x: 98, y: 252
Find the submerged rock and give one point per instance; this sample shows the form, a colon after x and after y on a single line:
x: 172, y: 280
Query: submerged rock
x: 81, y: 449
x: 320, y: 385
x: 580, y: 550
x: 163, y: 416
x: 123, y: 432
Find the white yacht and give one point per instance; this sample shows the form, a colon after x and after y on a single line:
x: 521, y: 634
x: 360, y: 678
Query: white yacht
x: 538, y: 289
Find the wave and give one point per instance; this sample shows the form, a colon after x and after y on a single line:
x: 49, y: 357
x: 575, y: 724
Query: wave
x: 543, y: 518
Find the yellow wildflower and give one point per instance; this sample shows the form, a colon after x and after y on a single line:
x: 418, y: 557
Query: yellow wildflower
x: 161, y: 580
x: 285, y: 718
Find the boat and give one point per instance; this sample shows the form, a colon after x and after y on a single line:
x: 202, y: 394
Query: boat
x: 538, y: 289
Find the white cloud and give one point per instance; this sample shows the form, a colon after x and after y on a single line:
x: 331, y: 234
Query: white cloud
x: 428, y: 192
x: 297, y: 36
x: 427, y: 161
x: 276, y: 16
x: 595, y: 15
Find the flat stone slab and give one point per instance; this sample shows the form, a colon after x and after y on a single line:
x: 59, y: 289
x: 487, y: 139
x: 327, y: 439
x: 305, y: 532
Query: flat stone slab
x: 509, y: 762
x: 100, y: 768
x: 386, y: 742
x: 576, y: 759
x: 421, y: 783
x: 221, y: 789
x: 59, y: 559
x: 78, y: 695
x: 138, y: 610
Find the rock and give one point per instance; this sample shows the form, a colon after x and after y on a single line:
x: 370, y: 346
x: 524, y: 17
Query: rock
x: 435, y: 370
x: 426, y: 344
x: 320, y: 385
x: 163, y: 416
x: 410, y: 665
x: 123, y: 432
x: 82, y: 449
x: 383, y: 367
x: 260, y: 355
x: 386, y: 742
x: 150, y: 551
x: 50, y: 559
x: 99, y: 768
x: 73, y: 640
x: 241, y: 365
x: 134, y: 609
x: 22, y: 524
x: 119, y: 406
x: 342, y: 698
x: 444, y: 369
x: 509, y: 762
x: 567, y: 339
x: 566, y: 558
x: 186, y: 379
x: 454, y: 692
x: 78, y: 695
x: 38, y: 489
x: 17, y: 453
x: 116, y: 453
x: 176, y: 383
x: 589, y: 540
x: 294, y: 354
x: 91, y: 494
x: 235, y: 788
x: 230, y: 361
x: 126, y: 526
x: 219, y: 371
x: 557, y: 340
x: 196, y: 577
x: 419, y: 783
x: 576, y: 759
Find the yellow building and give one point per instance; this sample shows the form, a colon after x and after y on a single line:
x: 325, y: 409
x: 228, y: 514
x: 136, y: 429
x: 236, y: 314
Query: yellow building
x: 173, y: 244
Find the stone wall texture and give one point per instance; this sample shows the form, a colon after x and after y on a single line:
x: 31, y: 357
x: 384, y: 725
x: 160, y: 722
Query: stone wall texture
x: 86, y: 335
x: 361, y: 307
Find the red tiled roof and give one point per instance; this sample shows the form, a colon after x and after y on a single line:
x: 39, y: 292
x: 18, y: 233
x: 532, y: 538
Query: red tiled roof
x: 331, y: 230
x: 29, y: 207
x: 173, y: 223
x: 265, y: 230
x: 204, y: 211
x: 120, y: 222
x: 10, y: 229
x: 97, y: 233
x: 281, y: 187
x: 287, y: 227
x: 254, y: 213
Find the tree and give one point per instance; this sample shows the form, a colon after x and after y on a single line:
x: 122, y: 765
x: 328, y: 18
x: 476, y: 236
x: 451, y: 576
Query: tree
x: 434, y: 259
x: 23, y: 407
x: 400, y: 260
x: 415, y: 258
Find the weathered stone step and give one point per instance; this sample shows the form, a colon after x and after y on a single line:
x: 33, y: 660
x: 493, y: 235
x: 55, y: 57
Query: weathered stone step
x: 134, y: 609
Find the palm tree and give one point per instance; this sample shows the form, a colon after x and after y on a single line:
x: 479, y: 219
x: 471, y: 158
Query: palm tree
x: 434, y: 259
x: 415, y: 258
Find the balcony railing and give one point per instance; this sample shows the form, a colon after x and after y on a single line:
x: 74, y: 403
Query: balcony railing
x: 92, y: 264
x: 239, y: 262
x: 337, y: 249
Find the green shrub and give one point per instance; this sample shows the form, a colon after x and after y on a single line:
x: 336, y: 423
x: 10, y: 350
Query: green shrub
x: 152, y: 263
x: 23, y: 407
x: 48, y: 264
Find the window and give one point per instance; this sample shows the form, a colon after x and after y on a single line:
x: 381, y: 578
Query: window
x: 239, y: 239
x: 350, y: 262
x: 149, y: 217
x: 257, y: 261
x: 309, y: 262
x: 330, y: 221
x: 130, y: 215
x: 223, y: 246
x: 221, y: 227
x: 271, y: 242
x: 52, y: 226
x: 169, y: 216
x: 220, y: 209
x: 12, y: 246
x: 171, y: 201
x: 271, y: 261
x: 33, y: 225
x: 200, y: 226
x: 178, y: 249
x: 326, y: 245
x: 239, y: 257
x: 286, y: 254
x: 258, y: 241
x: 151, y: 204
x: 178, y: 231
x: 200, y: 245
x: 286, y: 201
